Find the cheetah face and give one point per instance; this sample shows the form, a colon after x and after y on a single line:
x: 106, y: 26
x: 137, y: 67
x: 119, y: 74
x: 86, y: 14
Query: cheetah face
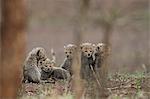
x: 45, y: 65
x: 46, y: 68
x: 87, y: 49
x: 69, y: 50
x: 102, y: 49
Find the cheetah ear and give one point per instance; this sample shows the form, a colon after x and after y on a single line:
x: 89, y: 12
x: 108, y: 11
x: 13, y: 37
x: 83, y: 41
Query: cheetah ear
x: 93, y: 45
x: 81, y: 46
x: 38, y: 53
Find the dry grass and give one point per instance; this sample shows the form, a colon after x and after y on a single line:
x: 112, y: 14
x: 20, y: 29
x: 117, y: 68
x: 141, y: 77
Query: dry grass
x: 121, y: 86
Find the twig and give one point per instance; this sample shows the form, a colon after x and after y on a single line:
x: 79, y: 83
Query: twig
x: 100, y: 86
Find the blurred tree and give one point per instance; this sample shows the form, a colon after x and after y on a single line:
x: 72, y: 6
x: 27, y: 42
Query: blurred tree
x: 0, y: 65
x: 148, y: 51
x: 81, y: 16
x: 80, y: 20
x: 109, y: 13
x: 13, y: 46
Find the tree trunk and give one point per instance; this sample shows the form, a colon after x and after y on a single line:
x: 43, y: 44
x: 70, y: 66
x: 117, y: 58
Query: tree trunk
x: 13, y: 46
x: 78, y: 28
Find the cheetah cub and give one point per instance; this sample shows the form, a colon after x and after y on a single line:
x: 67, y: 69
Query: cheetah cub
x: 49, y: 71
x: 87, y: 60
x: 55, y: 73
x: 46, y: 68
x: 31, y: 71
x: 69, y: 51
x: 102, y: 51
x: 59, y: 73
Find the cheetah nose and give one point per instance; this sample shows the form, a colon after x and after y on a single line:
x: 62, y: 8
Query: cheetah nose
x: 67, y: 56
x: 88, y: 54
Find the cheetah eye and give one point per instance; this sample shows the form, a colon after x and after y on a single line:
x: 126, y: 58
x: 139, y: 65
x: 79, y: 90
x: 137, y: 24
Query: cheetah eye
x: 70, y: 52
x: 85, y: 51
x: 90, y: 51
x: 45, y: 66
x: 66, y: 52
x: 41, y: 62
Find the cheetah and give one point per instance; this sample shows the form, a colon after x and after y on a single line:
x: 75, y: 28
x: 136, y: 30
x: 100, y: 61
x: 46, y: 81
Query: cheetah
x: 87, y: 60
x: 60, y: 73
x: 48, y: 71
x: 69, y: 51
x: 46, y: 68
x: 31, y: 71
x: 102, y: 52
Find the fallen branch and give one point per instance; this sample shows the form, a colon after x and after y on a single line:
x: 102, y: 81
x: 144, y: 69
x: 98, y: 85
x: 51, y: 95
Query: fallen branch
x: 97, y: 80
